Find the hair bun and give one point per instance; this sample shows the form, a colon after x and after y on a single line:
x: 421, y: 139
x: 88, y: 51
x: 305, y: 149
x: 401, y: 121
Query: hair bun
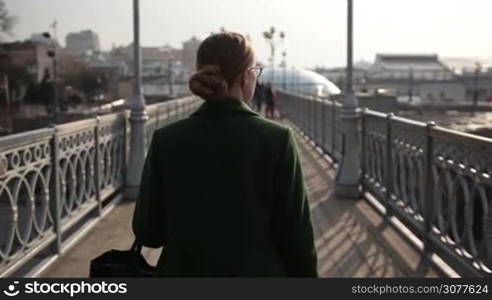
x: 208, y: 83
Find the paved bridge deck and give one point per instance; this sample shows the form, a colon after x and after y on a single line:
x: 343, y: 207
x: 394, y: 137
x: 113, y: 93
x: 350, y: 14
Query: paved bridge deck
x: 352, y: 239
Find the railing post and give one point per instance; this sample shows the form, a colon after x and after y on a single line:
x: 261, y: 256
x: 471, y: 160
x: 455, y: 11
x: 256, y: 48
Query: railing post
x: 299, y: 111
x: 303, y: 110
x: 308, y: 119
x: 363, y: 147
x: 333, y: 129
x: 388, y: 166
x: 323, y: 125
x: 168, y: 114
x: 306, y: 116
x: 180, y: 108
x: 97, y: 165
x: 311, y: 119
x: 178, y: 104
x: 301, y: 116
x: 313, y: 113
x: 429, y: 189
x: 297, y: 114
x: 55, y: 190
x: 126, y: 144
x: 176, y: 111
x: 316, y: 122
x: 296, y: 111
x: 313, y: 122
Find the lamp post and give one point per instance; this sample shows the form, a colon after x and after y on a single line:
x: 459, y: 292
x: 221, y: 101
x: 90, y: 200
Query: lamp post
x: 138, y: 114
x: 53, y: 54
x: 272, y: 41
x: 348, y: 172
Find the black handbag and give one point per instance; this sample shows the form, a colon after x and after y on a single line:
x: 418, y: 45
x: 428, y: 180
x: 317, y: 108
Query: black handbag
x: 118, y: 263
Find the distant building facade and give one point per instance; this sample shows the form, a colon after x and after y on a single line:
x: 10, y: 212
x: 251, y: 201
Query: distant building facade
x: 479, y: 80
x: 83, y: 42
x: 190, y: 48
x: 31, y: 55
x: 423, y: 76
x: 156, y: 61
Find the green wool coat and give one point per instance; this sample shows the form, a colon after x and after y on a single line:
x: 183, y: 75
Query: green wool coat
x: 223, y: 192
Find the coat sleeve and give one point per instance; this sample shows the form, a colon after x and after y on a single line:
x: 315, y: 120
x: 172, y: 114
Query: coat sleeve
x: 149, y: 221
x: 293, y: 230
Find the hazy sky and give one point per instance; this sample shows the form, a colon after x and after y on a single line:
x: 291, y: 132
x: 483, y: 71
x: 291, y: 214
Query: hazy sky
x: 315, y: 29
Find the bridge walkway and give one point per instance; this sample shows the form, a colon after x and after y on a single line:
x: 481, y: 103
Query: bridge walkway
x: 352, y: 238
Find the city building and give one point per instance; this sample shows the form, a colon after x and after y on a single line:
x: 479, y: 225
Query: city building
x: 155, y: 60
x: 462, y: 64
x: 33, y: 56
x: 83, y: 42
x: 190, y: 48
x: 422, y: 77
x: 479, y: 80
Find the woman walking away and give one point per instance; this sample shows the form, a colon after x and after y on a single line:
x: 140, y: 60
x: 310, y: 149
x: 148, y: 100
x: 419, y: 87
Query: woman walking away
x: 222, y: 190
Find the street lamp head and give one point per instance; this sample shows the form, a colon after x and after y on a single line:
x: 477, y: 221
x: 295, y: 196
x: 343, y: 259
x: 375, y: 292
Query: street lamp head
x: 267, y: 35
x: 47, y: 35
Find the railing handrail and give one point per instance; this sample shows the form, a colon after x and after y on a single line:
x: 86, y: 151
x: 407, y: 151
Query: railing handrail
x: 83, y: 122
x: 437, y: 128
x: 27, y: 136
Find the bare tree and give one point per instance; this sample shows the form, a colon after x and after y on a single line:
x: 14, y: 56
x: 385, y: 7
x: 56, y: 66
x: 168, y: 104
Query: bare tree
x: 7, y: 21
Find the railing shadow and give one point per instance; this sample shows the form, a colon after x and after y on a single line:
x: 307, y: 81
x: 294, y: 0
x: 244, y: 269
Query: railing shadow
x: 352, y: 239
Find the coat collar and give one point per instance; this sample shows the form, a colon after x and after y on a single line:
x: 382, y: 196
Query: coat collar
x: 226, y: 105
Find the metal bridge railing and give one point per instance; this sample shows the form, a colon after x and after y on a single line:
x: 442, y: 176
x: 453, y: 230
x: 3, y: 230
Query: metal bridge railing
x: 319, y: 118
x: 436, y: 181
x: 55, y: 181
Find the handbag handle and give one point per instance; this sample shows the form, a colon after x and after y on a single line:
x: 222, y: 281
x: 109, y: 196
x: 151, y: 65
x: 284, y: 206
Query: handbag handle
x: 136, y: 247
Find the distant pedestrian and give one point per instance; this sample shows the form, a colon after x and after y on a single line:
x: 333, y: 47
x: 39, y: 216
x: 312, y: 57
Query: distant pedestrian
x: 47, y: 92
x: 259, y: 96
x: 270, y: 96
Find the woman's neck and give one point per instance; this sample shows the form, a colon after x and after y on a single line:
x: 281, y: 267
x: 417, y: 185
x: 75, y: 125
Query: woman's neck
x: 236, y: 93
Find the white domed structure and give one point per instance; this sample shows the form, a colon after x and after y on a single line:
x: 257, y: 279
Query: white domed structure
x: 300, y: 81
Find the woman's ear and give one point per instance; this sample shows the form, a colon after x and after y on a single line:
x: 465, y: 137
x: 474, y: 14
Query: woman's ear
x: 244, y: 79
